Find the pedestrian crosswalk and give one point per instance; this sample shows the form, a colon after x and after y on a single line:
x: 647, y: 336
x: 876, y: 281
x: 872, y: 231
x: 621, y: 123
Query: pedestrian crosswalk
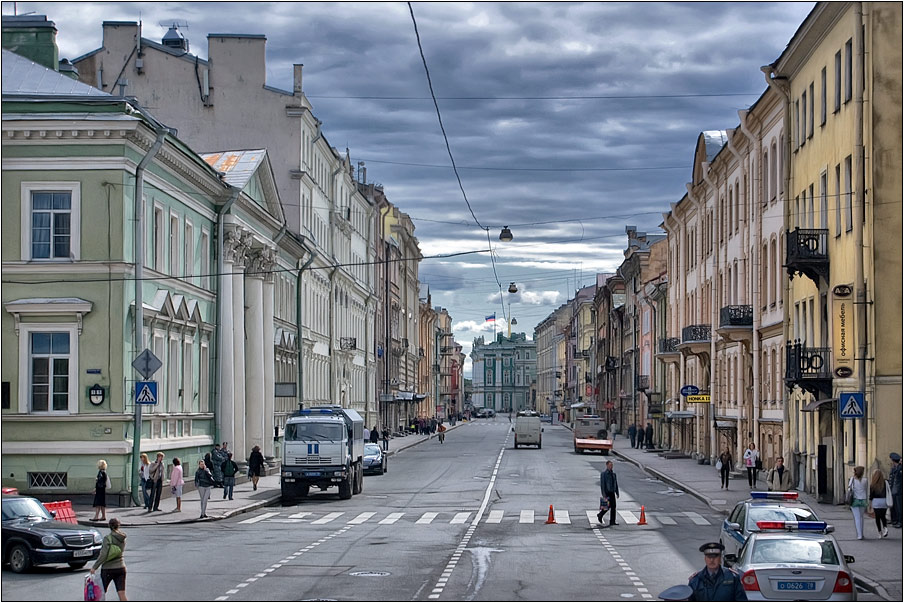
x: 495, y: 516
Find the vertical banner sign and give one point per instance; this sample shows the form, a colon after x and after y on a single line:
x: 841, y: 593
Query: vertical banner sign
x: 842, y: 331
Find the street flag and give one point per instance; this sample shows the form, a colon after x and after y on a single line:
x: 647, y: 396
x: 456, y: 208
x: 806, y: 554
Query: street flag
x: 491, y: 317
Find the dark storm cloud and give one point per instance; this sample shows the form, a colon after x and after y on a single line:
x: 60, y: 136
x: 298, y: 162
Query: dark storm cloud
x: 503, y: 51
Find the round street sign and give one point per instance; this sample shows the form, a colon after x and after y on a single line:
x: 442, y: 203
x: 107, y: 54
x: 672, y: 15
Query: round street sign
x: 690, y: 390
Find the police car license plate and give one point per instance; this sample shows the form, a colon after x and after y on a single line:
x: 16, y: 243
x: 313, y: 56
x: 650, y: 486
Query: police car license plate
x: 81, y: 553
x: 796, y: 585
x: 312, y: 473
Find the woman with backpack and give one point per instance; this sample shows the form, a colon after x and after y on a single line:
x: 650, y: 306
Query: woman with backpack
x: 112, y: 567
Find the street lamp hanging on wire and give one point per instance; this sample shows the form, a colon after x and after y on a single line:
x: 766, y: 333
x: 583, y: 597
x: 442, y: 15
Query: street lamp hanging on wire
x: 506, y: 235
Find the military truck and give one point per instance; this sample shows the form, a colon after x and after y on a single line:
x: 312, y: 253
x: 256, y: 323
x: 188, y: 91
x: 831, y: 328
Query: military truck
x: 591, y: 433
x: 323, y: 446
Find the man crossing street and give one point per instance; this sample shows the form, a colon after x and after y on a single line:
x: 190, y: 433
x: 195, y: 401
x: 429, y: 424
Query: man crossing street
x: 609, y: 490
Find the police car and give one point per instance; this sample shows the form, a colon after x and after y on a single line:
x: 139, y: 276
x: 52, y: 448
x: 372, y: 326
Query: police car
x: 793, y: 560
x: 761, y: 506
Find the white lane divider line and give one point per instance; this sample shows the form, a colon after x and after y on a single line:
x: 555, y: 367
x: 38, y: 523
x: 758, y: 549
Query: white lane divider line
x: 461, y: 517
x: 362, y: 518
x: 427, y: 517
x: 527, y: 516
x: 391, y: 518
x: 437, y: 591
x: 629, y: 573
x: 261, y: 517
x: 697, y: 518
x: 495, y: 516
x: 328, y: 518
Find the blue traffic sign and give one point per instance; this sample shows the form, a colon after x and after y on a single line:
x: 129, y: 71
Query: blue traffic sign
x: 851, y: 405
x: 145, y: 392
x: 690, y: 390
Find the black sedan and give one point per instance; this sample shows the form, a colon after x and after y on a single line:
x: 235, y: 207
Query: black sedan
x: 31, y: 536
x: 375, y: 461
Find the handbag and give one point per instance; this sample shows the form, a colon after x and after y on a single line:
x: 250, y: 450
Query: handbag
x: 109, y: 484
x: 719, y: 465
x: 759, y: 465
x: 604, y: 504
x: 889, y: 499
x: 849, y: 497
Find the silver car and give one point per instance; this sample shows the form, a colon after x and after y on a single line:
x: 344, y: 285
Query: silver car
x: 798, y: 561
x: 761, y: 506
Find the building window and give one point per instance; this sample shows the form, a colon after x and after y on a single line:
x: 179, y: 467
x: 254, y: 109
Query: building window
x: 205, y: 259
x: 837, y: 81
x: 812, y: 111
x: 822, y: 97
x: 848, y: 70
x: 174, y: 245
x: 848, y: 200
x: 823, y: 201
x: 47, y: 480
x: 838, y: 200
x: 157, y: 238
x: 795, y: 117
x: 188, y: 273
x: 49, y: 372
x: 803, y: 118
x: 50, y: 220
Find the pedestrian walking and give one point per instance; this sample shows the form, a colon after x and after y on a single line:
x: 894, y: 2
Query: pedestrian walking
x: 156, y: 472
x: 442, y: 433
x: 724, y: 466
x: 203, y: 482
x: 609, y: 491
x: 858, y: 493
x: 648, y: 435
x: 715, y: 582
x: 144, y: 476
x: 612, y: 429
x: 255, y: 465
x: 229, y: 471
x: 217, y: 457
x: 640, y: 436
x: 879, y: 493
x: 177, y: 482
x: 109, y: 560
x: 779, y: 477
x: 374, y: 435
x: 385, y: 435
x: 894, y: 479
x: 366, y: 434
x: 632, y: 434
x: 101, y: 483
x: 751, y: 457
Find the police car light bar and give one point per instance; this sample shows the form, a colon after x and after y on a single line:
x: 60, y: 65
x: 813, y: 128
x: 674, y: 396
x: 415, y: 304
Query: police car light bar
x: 816, y: 526
x: 774, y: 495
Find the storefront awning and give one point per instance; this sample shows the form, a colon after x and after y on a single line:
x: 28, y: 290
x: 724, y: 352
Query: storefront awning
x: 680, y: 414
x: 420, y: 397
x: 404, y: 396
x: 812, y: 406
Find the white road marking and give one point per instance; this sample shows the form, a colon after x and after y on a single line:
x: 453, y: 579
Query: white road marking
x: 461, y: 517
x: 666, y: 520
x: 299, y: 515
x: 260, y: 517
x: 391, y: 518
x: 362, y: 518
x: 697, y: 518
x: 629, y: 517
x: 427, y: 518
x: 328, y: 518
x: 591, y: 517
x: 527, y: 516
x: 495, y: 516
x: 562, y: 517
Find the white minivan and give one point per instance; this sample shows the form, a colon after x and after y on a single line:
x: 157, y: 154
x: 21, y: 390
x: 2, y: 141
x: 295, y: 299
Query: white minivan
x: 528, y: 430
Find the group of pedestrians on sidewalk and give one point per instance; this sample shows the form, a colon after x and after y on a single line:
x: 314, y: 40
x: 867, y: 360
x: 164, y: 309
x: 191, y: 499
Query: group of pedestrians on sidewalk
x: 876, y: 496
x: 640, y: 436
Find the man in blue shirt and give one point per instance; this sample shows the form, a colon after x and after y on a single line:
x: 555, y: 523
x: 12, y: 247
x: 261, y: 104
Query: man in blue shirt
x: 714, y: 582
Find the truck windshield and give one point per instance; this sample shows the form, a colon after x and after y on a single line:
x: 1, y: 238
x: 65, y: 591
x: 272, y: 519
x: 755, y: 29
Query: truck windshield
x: 297, y: 432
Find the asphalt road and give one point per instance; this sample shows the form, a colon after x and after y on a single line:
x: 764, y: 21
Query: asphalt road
x: 459, y: 521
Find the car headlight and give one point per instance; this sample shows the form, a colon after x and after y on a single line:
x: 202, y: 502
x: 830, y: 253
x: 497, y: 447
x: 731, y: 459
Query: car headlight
x: 51, y: 540
x: 98, y: 539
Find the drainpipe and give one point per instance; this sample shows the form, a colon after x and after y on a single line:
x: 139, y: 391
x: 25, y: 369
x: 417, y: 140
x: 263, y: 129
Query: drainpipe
x: 757, y: 183
x: 859, y: 203
x: 779, y: 84
x: 714, y: 303
x: 139, y: 235
x: 299, y: 339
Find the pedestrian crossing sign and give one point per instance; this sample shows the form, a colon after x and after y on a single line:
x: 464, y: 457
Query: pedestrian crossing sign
x: 851, y: 405
x: 145, y: 392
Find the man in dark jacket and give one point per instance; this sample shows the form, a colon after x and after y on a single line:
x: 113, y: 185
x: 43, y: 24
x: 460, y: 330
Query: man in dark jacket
x: 609, y: 490
x: 649, y: 435
x: 632, y: 433
x: 894, y: 481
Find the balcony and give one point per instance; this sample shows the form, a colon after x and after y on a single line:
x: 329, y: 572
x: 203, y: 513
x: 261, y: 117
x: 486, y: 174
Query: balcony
x: 643, y: 383
x: 695, y: 340
x: 611, y: 363
x: 736, y: 322
x: 808, y: 368
x: 807, y: 253
x: 446, y: 350
x: 668, y: 349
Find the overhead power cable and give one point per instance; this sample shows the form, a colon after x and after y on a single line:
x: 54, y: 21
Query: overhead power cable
x: 556, y: 97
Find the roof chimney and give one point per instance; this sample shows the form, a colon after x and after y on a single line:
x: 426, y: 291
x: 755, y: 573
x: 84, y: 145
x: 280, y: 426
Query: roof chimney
x: 296, y: 77
x: 174, y: 39
x: 33, y: 37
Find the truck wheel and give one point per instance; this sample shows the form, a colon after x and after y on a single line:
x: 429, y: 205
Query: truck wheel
x: 540, y: 444
x: 356, y: 485
x: 516, y: 442
x: 577, y: 450
x: 605, y: 453
x: 345, y: 488
x: 303, y: 491
x: 361, y: 478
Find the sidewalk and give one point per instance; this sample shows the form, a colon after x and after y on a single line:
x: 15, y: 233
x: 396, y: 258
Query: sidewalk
x: 245, y: 498
x: 878, y: 565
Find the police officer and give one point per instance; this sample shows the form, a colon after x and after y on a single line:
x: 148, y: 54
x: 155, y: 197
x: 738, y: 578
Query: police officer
x: 714, y: 582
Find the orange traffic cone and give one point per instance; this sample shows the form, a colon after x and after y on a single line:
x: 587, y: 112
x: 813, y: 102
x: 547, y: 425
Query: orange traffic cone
x: 552, y: 516
x: 643, y: 517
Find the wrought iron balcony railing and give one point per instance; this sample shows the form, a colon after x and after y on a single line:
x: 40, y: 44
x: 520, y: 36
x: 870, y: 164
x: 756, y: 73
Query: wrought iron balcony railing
x: 669, y: 345
x: 696, y: 333
x: 643, y: 382
x: 736, y: 316
x: 807, y: 253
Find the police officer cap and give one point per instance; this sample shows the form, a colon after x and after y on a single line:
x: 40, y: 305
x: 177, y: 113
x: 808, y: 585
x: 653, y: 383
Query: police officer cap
x: 712, y: 548
x: 682, y: 592
x: 895, y: 456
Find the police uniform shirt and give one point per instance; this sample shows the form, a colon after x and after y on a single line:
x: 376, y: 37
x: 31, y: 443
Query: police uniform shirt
x: 722, y: 585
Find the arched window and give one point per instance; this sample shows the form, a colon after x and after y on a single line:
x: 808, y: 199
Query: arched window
x: 766, y: 177
x: 773, y: 170
x: 774, y: 285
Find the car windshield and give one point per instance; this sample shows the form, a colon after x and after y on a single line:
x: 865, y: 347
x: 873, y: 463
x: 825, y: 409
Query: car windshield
x: 777, y: 513
x: 311, y: 431
x: 14, y: 508
x: 795, y: 550
x: 371, y: 449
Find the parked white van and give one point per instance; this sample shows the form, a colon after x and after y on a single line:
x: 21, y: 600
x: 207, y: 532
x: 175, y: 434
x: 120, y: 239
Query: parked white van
x: 528, y: 430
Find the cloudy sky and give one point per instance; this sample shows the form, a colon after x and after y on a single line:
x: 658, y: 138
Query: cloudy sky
x: 567, y: 121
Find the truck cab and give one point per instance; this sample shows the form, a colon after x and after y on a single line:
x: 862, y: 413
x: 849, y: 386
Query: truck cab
x: 323, y: 447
